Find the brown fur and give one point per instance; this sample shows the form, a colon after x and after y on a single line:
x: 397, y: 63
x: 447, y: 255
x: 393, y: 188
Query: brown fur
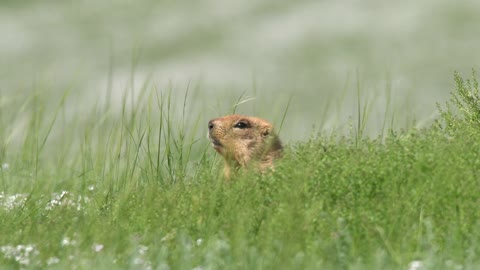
x: 244, y: 141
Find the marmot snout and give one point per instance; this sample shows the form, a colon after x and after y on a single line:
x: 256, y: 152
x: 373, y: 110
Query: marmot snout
x: 243, y: 140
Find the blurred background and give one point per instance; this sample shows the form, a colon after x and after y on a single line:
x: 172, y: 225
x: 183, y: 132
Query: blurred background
x: 393, y: 59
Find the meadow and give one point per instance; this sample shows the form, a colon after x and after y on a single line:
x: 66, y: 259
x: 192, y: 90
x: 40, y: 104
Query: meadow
x: 104, y: 162
x: 137, y: 191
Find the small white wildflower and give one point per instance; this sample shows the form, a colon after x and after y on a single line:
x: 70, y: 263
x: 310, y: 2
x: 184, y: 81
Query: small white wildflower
x: 91, y: 187
x: 56, y: 200
x: 97, y: 247
x: 23, y: 260
x: 12, y: 201
x: 51, y: 204
x: 7, y: 251
x: 66, y: 241
x: 415, y: 265
x: 66, y: 199
x: 199, y: 241
x: 29, y: 248
x: 21, y: 253
x: 53, y: 260
x: 78, y: 203
x: 63, y: 194
x: 5, y: 166
x: 142, y: 249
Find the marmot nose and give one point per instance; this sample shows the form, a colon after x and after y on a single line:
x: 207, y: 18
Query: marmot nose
x: 210, y: 125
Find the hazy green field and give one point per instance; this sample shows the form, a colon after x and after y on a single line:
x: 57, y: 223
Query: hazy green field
x: 404, y: 53
x: 138, y: 191
x: 104, y: 162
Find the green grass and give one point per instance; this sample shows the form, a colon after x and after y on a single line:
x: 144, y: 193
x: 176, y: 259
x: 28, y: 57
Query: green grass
x: 142, y: 191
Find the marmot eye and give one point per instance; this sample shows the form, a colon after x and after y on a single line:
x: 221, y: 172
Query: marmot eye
x: 241, y: 125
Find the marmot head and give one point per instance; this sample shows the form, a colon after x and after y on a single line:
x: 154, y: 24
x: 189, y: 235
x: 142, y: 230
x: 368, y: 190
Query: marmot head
x: 240, y: 139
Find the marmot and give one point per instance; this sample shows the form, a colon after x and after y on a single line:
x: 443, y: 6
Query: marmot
x: 244, y: 141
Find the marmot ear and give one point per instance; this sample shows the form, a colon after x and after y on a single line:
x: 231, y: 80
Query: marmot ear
x: 266, y: 130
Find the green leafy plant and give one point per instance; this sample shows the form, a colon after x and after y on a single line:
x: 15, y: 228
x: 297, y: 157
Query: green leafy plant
x: 463, y: 108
